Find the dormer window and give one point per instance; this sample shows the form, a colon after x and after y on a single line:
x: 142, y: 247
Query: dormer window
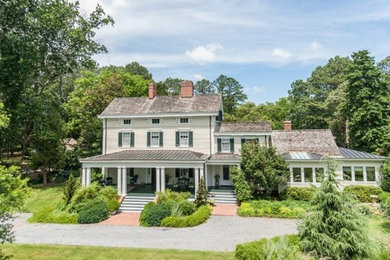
x: 184, y: 120
x: 127, y: 121
x: 155, y: 121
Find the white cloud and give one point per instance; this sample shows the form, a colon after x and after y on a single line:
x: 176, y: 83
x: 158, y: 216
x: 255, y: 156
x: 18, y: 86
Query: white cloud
x: 258, y: 89
x: 198, y: 77
x: 281, y: 53
x: 315, y: 45
x: 204, y: 54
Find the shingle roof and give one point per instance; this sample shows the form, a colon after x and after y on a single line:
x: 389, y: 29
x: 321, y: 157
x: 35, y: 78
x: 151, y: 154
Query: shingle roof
x: 243, y: 127
x: 352, y: 154
x: 319, y: 142
x: 155, y: 155
x: 202, y: 103
x: 225, y: 157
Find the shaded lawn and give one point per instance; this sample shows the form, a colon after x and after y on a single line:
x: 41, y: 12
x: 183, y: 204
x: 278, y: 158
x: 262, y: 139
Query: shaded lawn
x: 379, y: 228
x: 93, y: 252
x: 43, y: 196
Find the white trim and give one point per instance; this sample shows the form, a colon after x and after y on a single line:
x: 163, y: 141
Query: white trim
x: 158, y: 115
x: 254, y: 134
x: 230, y: 145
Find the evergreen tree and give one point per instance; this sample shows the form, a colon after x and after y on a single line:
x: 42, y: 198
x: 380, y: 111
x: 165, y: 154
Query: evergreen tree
x: 232, y: 92
x: 204, y: 86
x: 385, y: 175
x: 70, y: 188
x: 201, y: 194
x: 367, y: 106
x: 335, y: 227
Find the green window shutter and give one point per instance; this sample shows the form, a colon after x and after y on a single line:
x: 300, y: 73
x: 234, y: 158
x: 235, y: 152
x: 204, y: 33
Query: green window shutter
x: 148, y: 139
x: 132, y: 139
x: 220, y: 115
x: 177, y: 138
x: 219, y: 144
x: 161, y: 139
x: 243, y: 141
x: 190, y: 141
x: 119, y: 139
x: 232, y: 145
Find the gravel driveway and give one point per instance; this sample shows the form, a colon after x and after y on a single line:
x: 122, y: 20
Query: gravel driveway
x: 219, y: 233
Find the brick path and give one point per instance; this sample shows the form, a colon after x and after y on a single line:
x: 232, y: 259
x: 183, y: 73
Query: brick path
x: 123, y: 218
x: 225, y: 210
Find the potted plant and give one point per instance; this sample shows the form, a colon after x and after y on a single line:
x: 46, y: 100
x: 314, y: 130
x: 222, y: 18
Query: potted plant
x: 217, y: 181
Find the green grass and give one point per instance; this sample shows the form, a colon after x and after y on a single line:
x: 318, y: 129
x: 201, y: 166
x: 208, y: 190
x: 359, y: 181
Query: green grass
x: 43, y: 196
x: 379, y: 229
x: 90, y: 252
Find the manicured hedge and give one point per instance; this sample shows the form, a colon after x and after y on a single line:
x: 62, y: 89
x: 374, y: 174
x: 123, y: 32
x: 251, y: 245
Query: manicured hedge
x: 152, y: 215
x: 269, y: 249
x: 363, y: 193
x: 51, y: 215
x: 198, y: 217
x: 279, y: 209
x: 300, y: 193
x: 93, y: 211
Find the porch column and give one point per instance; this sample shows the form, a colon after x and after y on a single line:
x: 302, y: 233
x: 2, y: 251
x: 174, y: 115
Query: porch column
x: 103, y: 173
x: 88, y: 177
x: 83, y: 176
x: 124, y: 181
x: 158, y: 185
x: 201, y: 173
x: 163, y: 179
x: 196, y: 177
x: 119, y: 181
x: 206, y: 176
x: 213, y: 175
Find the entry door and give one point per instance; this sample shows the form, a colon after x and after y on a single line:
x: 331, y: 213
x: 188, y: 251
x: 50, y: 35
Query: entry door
x: 226, y: 178
x: 153, y: 171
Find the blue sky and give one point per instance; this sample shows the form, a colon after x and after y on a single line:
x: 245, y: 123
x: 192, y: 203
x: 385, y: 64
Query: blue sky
x: 265, y: 45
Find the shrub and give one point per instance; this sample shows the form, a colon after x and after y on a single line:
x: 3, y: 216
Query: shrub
x: 113, y: 205
x: 300, y: 193
x: 186, y: 207
x: 82, y: 195
x: 109, y: 194
x: 267, y: 208
x: 201, y: 194
x: 385, y: 176
x: 362, y: 193
x: 49, y: 214
x: 93, y: 211
x: 383, y: 196
x: 285, y: 247
x: 241, y: 186
x: 152, y: 216
x: 168, y: 195
x: 198, y: 217
x: 70, y: 188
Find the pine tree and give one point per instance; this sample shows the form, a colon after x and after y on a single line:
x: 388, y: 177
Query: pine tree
x: 70, y: 188
x: 335, y: 226
x: 201, y: 194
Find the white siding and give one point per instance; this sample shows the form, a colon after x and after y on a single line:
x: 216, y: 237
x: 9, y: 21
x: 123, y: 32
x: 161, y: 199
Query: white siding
x: 237, y: 141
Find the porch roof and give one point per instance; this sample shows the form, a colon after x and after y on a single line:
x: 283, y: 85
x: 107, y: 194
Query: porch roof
x: 148, y: 155
x: 229, y: 157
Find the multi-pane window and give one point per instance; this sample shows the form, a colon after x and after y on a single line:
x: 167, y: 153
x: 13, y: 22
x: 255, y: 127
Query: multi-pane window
x: 155, y: 121
x: 347, y: 173
x: 225, y: 145
x: 127, y: 121
x: 184, y: 120
x: 184, y: 138
x: 370, y: 171
x: 155, y: 139
x: 319, y: 174
x: 308, y: 174
x: 126, y: 139
x: 296, y: 174
x: 359, y: 173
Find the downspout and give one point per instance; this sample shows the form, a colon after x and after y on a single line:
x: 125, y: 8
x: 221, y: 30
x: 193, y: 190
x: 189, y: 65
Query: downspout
x: 210, y: 134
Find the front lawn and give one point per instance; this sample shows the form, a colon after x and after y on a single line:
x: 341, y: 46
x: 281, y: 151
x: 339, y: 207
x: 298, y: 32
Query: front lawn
x: 42, y: 197
x: 90, y: 252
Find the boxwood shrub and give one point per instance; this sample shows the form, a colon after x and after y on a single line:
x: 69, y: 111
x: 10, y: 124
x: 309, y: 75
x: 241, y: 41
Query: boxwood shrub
x: 93, y: 211
x: 363, y: 193
x: 152, y: 215
x: 50, y: 214
x: 198, y: 217
x: 286, y: 247
x: 299, y: 193
x: 278, y: 209
x: 186, y: 207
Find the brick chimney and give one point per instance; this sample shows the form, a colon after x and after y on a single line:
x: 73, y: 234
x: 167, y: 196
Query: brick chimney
x: 287, y: 125
x: 152, y: 90
x: 187, y: 89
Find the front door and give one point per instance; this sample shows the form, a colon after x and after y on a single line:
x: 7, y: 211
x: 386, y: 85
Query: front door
x: 153, y: 171
x: 226, y: 178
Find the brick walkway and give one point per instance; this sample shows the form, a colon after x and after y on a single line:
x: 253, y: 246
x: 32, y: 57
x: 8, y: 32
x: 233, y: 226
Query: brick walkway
x: 225, y: 210
x: 123, y: 218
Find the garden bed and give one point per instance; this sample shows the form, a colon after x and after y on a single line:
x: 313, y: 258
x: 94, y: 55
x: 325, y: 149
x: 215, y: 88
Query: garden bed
x: 270, y: 208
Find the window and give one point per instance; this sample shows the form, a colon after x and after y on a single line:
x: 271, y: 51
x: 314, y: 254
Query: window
x: 296, y: 174
x: 127, y: 121
x: 370, y: 171
x: 225, y: 145
x: 184, y: 120
x: 308, y: 174
x: 155, y: 121
x: 155, y: 139
x: 359, y: 173
x: 226, y: 172
x: 347, y: 173
x: 184, y: 138
x: 126, y: 139
x: 319, y: 174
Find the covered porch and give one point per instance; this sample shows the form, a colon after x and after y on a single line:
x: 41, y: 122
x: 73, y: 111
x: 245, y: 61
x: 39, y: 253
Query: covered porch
x: 218, y: 170
x: 136, y: 172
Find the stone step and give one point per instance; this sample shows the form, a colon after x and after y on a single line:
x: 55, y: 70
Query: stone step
x: 134, y: 203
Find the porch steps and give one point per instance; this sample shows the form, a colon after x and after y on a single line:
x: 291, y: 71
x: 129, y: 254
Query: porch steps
x: 223, y: 196
x: 135, y: 203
